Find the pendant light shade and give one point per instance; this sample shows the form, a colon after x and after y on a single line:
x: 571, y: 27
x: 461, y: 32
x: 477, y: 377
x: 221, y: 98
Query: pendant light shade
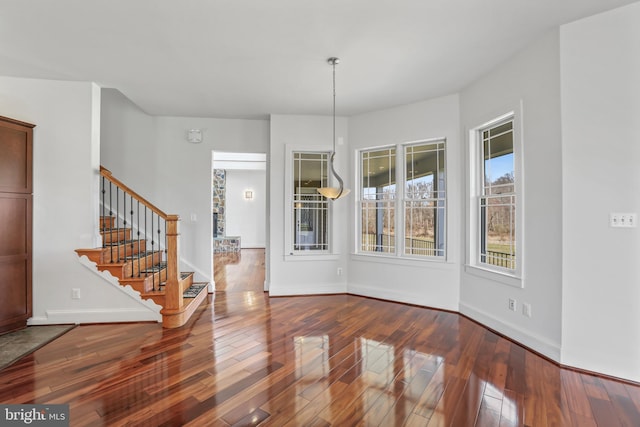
x: 334, y: 193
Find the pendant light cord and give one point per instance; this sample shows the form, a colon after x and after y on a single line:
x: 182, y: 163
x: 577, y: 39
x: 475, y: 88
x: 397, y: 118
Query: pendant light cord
x: 334, y: 61
x: 334, y: 103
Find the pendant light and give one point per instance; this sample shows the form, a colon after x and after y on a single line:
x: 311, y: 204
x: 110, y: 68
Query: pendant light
x: 334, y: 193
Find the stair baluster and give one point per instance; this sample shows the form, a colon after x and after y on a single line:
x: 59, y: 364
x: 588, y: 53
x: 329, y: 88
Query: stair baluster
x: 102, y: 218
x: 123, y: 242
x: 117, y: 224
x: 132, y: 241
x: 153, y: 249
x: 145, y: 226
x: 138, y: 237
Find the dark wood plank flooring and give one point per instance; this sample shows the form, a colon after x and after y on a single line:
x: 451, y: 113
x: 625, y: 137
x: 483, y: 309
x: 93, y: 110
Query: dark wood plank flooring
x: 340, y: 360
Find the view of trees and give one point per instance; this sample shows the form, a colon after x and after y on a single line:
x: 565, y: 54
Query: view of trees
x: 420, y: 216
x: 500, y: 212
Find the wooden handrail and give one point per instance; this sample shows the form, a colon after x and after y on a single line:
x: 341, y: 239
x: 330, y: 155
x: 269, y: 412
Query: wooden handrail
x: 107, y: 174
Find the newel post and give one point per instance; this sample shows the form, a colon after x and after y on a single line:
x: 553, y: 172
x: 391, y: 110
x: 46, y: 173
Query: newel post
x: 173, y: 293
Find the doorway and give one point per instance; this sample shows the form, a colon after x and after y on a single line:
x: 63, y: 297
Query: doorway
x: 239, y: 212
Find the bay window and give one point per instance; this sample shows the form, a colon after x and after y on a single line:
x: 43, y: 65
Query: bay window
x: 408, y: 179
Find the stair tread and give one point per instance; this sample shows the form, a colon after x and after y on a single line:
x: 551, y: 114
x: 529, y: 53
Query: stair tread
x: 140, y: 255
x: 122, y: 242
x: 155, y: 268
x: 192, y: 291
x: 183, y: 275
x: 124, y: 262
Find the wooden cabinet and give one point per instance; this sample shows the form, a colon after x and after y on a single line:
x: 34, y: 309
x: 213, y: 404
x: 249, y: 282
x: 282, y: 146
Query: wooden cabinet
x: 16, y: 186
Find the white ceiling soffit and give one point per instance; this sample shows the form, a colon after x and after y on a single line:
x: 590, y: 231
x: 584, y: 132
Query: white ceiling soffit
x: 240, y: 161
x: 252, y: 58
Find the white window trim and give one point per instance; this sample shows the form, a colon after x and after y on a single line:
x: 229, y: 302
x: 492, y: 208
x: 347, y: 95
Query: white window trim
x: 289, y: 253
x: 473, y: 266
x: 399, y: 256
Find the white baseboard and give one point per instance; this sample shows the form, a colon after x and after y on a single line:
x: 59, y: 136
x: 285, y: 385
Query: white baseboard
x: 533, y: 341
x: 276, y: 290
x: 55, y: 317
x: 392, y: 295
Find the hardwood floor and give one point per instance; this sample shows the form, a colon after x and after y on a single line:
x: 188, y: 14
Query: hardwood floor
x: 239, y: 271
x: 340, y: 360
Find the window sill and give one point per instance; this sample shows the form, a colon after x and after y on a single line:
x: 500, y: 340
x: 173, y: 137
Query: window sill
x: 494, y: 275
x: 311, y: 257
x: 392, y: 259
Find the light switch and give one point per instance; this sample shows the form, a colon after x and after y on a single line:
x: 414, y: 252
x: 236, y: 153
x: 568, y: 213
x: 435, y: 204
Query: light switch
x: 623, y: 220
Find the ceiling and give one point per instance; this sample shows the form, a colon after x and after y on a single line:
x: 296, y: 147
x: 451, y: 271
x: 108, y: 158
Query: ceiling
x: 252, y: 58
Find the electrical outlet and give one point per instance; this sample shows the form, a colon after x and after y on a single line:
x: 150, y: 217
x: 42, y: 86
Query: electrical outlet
x: 513, y: 305
x: 75, y: 293
x: 526, y: 309
x: 623, y: 220
x: 339, y: 272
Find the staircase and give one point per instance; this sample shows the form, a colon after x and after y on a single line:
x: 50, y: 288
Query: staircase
x: 140, y: 249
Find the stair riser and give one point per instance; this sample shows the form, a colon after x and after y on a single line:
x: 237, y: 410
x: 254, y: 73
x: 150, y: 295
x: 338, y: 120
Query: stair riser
x: 158, y: 299
x: 117, y: 253
x: 107, y: 222
x: 94, y: 255
x: 186, y: 282
x: 146, y: 284
x: 116, y: 235
x: 131, y: 268
x: 106, y: 255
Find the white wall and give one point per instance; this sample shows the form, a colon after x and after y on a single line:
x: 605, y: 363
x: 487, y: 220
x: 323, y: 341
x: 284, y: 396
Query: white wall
x: 65, y: 202
x: 128, y: 147
x: 601, y: 174
x: 304, y: 274
x: 246, y: 218
x: 532, y: 78
x: 184, y: 177
x: 428, y: 283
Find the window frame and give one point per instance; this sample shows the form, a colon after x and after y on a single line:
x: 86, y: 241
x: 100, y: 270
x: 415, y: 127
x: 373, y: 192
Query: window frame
x: 405, y: 200
x: 474, y: 265
x: 290, y: 253
x: 399, y: 203
x: 361, y: 200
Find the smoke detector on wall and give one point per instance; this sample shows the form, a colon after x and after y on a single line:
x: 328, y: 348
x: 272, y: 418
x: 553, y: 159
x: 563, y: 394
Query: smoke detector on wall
x: 194, y: 136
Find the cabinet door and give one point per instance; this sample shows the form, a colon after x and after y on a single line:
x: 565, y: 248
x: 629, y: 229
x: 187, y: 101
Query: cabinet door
x: 15, y: 259
x: 15, y: 158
